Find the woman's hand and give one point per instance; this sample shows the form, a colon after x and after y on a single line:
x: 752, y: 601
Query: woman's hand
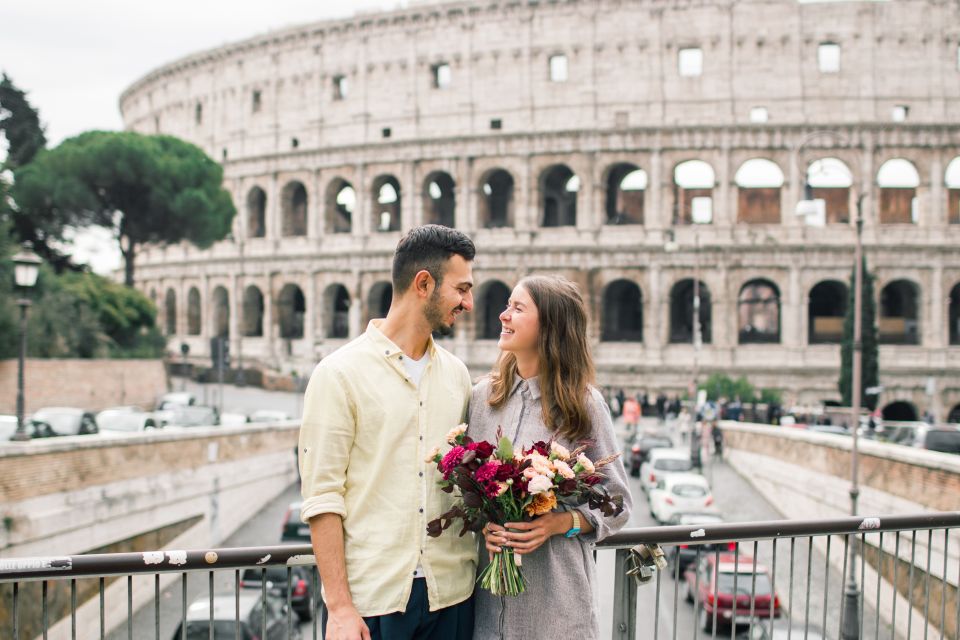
x: 493, y: 535
x: 527, y: 537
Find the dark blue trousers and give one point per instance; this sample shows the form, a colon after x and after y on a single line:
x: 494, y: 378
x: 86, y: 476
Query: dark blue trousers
x: 418, y: 622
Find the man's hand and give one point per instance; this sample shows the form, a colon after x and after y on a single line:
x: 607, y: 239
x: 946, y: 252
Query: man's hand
x: 344, y: 623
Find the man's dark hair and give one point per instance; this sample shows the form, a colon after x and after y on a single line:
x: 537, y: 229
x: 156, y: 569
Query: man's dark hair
x: 427, y: 248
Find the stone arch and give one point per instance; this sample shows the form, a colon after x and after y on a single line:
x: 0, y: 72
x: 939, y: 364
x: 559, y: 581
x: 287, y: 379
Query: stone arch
x: 900, y: 411
x: 193, y: 312
x: 826, y: 308
x: 693, y: 183
x: 256, y: 213
x: 758, y: 183
x: 898, y: 181
x: 170, y: 312
x: 758, y: 312
x: 954, y: 415
x: 900, y: 313
x: 559, y: 187
x: 291, y: 311
x: 830, y: 179
x: 492, y: 301
x: 626, y: 184
x: 252, y: 312
x: 220, y: 303
x: 293, y: 201
x: 339, y: 203
x: 953, y: 314
x: 682, y: 312
x: 439, y: 199
x: 379, y: 299
x: 336, y: 302
x: 951, y: 179
x: 622, y: 315
x: 496, y: 202
x: 386, y: 197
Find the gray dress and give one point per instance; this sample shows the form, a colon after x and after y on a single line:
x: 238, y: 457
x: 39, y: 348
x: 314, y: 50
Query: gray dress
x: 558, y: 601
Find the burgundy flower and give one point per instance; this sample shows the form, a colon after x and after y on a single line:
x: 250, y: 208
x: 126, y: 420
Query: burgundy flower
x: 593, y: 479
x: 540, y: 447
x: 483, y: 448
x: 506, y: 471
x: 486, y: 472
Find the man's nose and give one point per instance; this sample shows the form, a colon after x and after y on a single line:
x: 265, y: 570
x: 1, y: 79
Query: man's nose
x: 467, y: 301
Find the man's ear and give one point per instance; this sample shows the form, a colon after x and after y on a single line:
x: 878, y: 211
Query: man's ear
x: 423, y: 283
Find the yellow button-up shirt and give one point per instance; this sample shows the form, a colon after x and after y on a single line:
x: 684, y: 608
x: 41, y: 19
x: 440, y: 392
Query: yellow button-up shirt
x: 365, y: 433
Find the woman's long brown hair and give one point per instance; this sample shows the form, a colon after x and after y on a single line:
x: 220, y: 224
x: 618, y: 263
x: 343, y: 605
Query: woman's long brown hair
x: 565, y: 363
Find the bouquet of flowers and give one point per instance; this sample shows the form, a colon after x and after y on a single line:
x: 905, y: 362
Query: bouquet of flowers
x: 496, y: 484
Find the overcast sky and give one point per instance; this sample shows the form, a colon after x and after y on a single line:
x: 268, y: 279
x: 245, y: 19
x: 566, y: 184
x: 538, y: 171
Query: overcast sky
x: 75, y: 58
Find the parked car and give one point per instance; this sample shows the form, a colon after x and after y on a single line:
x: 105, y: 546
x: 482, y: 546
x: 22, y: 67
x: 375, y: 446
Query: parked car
x: 233, y: 419
x: 943, y: 438
x: 829, y: 428
x: 686, y: 554
x: 300, y: 585
x: 189, y: 415
x: 128, y: 419
x: 62, y: 421
x: 783, y: 630
x: 176, y: 398
x: 640, y: 451
x: 293, y: 529
x: 269, y: 415
x: 677, y: 493
x: 8, y: 427
x: 662, y: 462
x: 251, y: 607
x: 711, y: 586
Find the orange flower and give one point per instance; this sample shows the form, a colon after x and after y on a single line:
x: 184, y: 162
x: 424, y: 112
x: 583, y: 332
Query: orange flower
x: 542, y: 503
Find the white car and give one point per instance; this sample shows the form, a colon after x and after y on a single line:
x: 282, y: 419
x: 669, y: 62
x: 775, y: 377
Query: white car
x: 662, y: 462
x: 269, y: 415
x: 680, y: 493
x: 127, y: 419
x: 8, y: 427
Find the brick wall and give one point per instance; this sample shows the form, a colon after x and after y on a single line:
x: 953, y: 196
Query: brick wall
x: 88, y: 384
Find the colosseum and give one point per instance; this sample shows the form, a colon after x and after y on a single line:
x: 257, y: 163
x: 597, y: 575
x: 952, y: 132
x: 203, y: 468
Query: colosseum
x: 655, y: 152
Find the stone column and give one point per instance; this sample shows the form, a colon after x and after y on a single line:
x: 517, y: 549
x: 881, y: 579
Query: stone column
x: 933, y: 207
x: 411, y: 198
x: 935, y: 320
x: 586, y: 210
x: 655, y: 337
x: 465, y: 215
x: 791, y: 310
x: 725, y: 200
x: 272, y: 213
x: 360, y: 223
x: 656, y: 217
x: 526, y: 213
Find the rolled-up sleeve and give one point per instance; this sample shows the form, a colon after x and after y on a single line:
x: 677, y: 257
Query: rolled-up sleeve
x: 615, y: 475
x: 327, y: 434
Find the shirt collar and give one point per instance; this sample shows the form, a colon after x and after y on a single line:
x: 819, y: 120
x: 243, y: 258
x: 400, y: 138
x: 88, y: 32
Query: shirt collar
x: 533, y: 384
x: 386, y: 346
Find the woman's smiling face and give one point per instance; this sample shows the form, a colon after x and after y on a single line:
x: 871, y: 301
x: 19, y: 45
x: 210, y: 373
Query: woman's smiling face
x: 520, y: 323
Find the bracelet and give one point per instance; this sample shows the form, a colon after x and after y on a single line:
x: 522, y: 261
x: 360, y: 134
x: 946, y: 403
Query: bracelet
x: 575, y: 529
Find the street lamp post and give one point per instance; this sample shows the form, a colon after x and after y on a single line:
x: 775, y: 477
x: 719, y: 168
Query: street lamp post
x: 850, y: 615
x: 26, y: 268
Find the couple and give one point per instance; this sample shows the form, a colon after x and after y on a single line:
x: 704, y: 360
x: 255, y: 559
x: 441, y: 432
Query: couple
x: 375, y: 407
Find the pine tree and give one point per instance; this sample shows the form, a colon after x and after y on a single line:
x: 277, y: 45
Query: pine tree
x: 870, y: 368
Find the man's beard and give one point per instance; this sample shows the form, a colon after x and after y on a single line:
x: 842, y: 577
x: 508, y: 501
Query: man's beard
x: 435, y: 316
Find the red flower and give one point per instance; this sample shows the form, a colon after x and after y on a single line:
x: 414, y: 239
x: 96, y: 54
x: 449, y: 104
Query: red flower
x: 483, y: 448
x: 506, y: 471
x: 540, y: 447
x: 487, y: 472
x: 593, y: 479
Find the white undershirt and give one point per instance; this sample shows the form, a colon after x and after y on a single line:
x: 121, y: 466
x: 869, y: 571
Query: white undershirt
x: 415, y: 369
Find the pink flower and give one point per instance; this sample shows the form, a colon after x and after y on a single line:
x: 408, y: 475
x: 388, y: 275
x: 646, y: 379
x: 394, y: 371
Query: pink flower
x: 487, y: 471
x: 540, y: 484
x: 530, y: 473
x: 564, y: 469
x: 452, y: 459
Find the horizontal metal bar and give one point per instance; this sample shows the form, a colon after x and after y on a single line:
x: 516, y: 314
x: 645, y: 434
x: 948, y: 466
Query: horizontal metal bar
x: 150, y: 562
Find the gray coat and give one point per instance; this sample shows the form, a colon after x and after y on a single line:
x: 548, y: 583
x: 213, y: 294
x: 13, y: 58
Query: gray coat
x: 558, y: 601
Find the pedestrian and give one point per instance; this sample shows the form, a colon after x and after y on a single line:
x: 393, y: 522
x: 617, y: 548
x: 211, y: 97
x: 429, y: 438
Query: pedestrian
x: 372, y: 410
x: 541, y: 389
x: 631, y: 417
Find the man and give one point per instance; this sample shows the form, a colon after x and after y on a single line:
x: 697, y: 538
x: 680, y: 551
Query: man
x: 372, y: 411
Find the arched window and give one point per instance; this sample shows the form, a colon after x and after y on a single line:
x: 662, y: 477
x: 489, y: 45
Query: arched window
x: 830, y: 180
x: 952, y: 182
x: 386, y: 204
x: 900, y: 411
x: 825, y: 311
x: 221, y: 313
x: 622, y: 312
x: 336, y: 301
x: 193, y: 312
x: 758, y: 192
x: 682, y: 314
x: 954, y: 415
x: 256, y: 213
x: 558, y: 192
x: 954, y: 314
x: 496, y: 200
x: 626, y: 185
x: 379, y: 300
x: 291, y: 310
x: 898, y: 181
x: 294, y: 207
x: 693, y: 183
x: 758, y: 311
x: 339, y: 202
x: 252, y: 312
x: 170, y: 312
x: 439, y: 199
x: 493, y: 300
x: 899, y: 313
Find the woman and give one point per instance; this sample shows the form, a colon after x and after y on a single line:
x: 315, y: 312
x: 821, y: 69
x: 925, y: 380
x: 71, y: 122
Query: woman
x: 540, y: 390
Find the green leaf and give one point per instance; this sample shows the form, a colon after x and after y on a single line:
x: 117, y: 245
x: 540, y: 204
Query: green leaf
x: 504, y: 449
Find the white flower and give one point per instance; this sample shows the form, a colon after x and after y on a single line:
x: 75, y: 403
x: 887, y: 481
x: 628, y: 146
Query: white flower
x: 432, y: 456
x: 559, y: 451
x: 456, y: 432
x: 585, y: 463
x: 564, y: 469
x: 539, y: 484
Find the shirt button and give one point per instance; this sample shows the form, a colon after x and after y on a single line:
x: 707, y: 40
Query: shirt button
x: 421, y: 403
x: 387, y: 352
x: 421, y: 474
x: 421, y: 510
x: 421, y: 437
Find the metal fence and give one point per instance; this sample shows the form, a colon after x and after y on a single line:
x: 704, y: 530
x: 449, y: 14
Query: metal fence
x: 760, y: 580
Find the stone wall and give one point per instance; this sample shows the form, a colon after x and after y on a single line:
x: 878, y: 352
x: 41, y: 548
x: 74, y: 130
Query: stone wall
x: 87, y: 384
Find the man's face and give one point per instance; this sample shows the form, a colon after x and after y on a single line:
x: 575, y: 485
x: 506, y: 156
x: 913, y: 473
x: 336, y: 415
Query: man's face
x: 451, y: 297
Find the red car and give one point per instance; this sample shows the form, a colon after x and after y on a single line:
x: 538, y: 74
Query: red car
x: 711, y: 585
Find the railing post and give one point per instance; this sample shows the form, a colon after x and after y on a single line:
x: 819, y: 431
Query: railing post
x: 624, y: 599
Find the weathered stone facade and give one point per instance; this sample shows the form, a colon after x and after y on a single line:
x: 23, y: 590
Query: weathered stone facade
x: 434, y: 99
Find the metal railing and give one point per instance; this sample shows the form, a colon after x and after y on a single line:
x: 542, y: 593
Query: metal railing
x: 897, y: 570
